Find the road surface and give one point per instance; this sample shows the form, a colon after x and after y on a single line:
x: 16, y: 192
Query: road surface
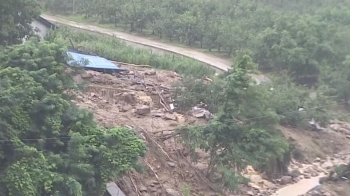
x: 216, y: 62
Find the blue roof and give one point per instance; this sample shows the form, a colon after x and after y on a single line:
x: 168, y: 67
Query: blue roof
x: 91, y: 62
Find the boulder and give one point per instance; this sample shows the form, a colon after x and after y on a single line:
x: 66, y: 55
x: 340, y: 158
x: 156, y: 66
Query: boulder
x: 171, y: 164
x: 125, y: 108
x: 170, y: 117
x: 87, y: 75
x: 172, y: 192
x: 151, y: 72
x: 129, y: 98
x: 295, y: 173
x: 286, y: 180
x: 335, y: 127
x: 143, y: 110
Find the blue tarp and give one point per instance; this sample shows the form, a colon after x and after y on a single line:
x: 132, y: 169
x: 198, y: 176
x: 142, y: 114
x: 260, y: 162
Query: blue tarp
x: 91, y: 62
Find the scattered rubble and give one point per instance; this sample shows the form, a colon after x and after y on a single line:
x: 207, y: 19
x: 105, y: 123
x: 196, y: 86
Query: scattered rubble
x: 143, y: 110
x: 201, y: 113
x: 340, y: 127
x: 146, y: 105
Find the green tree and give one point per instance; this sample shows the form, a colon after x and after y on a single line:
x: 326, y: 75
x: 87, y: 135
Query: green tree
x: 242, y: 132
x: 48, y: 145
x: 15, y: 20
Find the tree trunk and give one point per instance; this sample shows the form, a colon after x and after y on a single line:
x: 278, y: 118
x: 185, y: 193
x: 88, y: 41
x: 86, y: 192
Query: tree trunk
x: 132, y: 28
x: 230, y: 51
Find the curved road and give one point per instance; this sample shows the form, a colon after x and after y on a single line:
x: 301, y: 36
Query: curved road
x: 216, y: 62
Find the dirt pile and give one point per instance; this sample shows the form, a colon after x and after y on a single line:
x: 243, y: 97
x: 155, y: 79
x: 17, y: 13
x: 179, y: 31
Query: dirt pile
x: 142, y: 100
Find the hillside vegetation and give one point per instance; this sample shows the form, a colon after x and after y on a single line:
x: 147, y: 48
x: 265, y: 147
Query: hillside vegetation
x: 308, y: 39
x: 49, y: 146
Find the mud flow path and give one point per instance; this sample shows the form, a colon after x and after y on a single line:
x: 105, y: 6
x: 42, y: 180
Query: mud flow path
x: 319, y: 169
x: 299, y: 188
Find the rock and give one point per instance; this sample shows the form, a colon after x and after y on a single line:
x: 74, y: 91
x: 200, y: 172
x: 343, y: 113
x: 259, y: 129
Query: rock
x: 296, y: 179
x: 142, y: 110
x: 254, y: 186
x: 169, y: 117
x: 315, y: 193
x: 318, y: 159
x: 327, y: 165
x: 151, y: 72
x: 175, y: 124
x: 180, y: 119
x: 323, y: 179
x: 142, y: 188
x: 87, y: 75
x: 250, y: 193
x: 255, y: 179
x: 125, y: 108
x: 286, y: 180
x: 172, y: 192
x: 201, y: 113
x: 129, y: 98
x: 335, y: 127
x: 343, y: 130
x: 295, y: 173
x: 268, y: 184
x: 158, y: 114
x: 314, y: 174
x: 327, y: 194
x: 79, y: 98
x: 171, y: 164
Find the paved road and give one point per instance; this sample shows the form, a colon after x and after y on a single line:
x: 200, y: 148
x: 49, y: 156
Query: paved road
x: 218, y: 63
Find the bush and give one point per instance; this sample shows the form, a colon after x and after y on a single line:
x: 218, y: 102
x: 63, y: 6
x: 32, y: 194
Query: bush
x: 286, y: 97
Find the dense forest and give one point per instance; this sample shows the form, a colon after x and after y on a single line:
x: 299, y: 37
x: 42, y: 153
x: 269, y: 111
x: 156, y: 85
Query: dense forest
x: 309, y: 39
x: 49, y: 146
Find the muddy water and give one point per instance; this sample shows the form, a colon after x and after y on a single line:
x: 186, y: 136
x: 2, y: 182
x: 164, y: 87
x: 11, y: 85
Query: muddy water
x: 300, y: 188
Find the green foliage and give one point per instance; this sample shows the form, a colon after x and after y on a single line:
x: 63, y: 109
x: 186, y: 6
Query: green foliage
x: 242, y: 132
x: 191, y: 91
x: 186, y: 190
x: 48, y: 145
x: 286, y: 97
x: 114, y: 49
x: 297, y: 36
x: 15, y: 19
x: 337, y: 81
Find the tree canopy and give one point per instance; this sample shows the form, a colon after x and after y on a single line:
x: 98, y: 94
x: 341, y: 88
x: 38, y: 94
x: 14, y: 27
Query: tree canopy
x: 49, y: 146
x: 15, y: 20
x: 305, y: 38
x: 243, y: 131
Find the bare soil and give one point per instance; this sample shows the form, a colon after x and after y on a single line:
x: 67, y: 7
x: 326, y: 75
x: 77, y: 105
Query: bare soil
x: 313, y: 144
x: 166, y: 169
x: 114, y: 101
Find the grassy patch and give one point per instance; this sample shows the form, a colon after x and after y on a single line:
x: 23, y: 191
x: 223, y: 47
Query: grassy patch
x: 114, y: 49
